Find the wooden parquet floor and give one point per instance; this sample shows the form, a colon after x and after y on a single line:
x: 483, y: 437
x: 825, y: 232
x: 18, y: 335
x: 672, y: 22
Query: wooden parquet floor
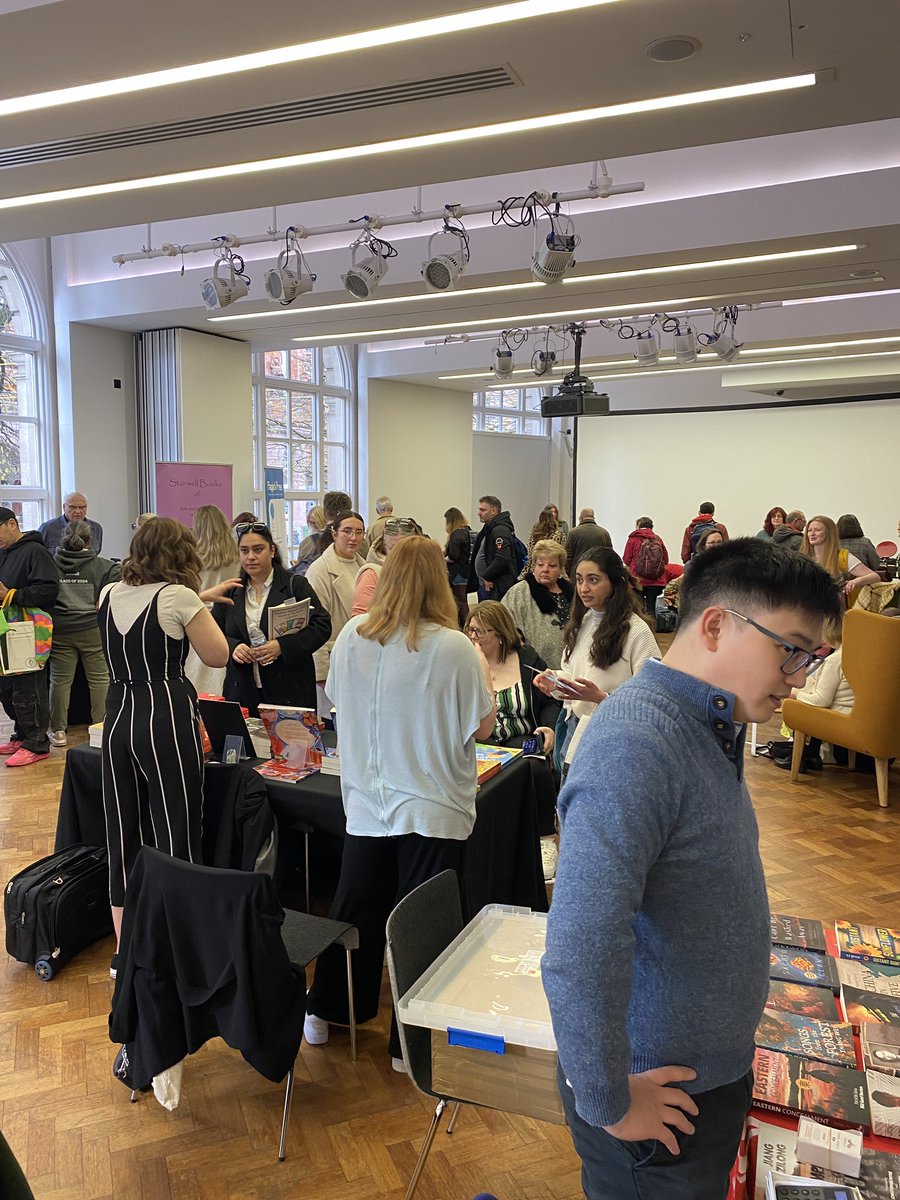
x: 356, y: 1129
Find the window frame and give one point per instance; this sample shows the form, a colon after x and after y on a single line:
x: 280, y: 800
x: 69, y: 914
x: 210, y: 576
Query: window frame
x: 516, y: 414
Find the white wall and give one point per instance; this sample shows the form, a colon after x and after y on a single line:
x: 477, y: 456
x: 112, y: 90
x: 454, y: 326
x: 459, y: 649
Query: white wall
x: 216, y: 416
x: 831, y: 459
x: 98, y: 451
x: 419, y: 450
x: 516, y: 470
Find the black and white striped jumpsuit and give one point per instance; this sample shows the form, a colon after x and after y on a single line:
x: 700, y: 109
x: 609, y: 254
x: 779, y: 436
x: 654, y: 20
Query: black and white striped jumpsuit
x: 152, y: 756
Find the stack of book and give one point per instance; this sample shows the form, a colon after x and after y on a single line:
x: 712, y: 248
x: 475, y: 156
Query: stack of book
x: 95, y: 734
x: 331, y: 761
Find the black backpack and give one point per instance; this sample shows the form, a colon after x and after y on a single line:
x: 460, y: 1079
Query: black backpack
x: 698, y: 531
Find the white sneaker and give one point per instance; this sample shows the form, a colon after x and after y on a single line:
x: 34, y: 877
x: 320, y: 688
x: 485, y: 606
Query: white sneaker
x: 58, y: 737
x: 549, y: 857
x: 315, y: 1030
x: 399, y: 1066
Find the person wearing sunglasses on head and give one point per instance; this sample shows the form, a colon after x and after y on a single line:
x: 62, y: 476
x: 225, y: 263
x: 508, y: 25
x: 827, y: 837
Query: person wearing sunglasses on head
x: 333, y: 575
x: 263, y: 669
x: 394, y: 530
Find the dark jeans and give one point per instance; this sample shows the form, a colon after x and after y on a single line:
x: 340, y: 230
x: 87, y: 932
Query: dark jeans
x: 460, y: 595
x: 651, y: 595
x: 376, y: 873
x: 27, y: 702
x: 616, y: 1170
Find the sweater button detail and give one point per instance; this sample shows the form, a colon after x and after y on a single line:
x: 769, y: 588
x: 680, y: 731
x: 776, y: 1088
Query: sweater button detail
x: 720, y: 725
x: 728, y: 747
x: 720, y: 702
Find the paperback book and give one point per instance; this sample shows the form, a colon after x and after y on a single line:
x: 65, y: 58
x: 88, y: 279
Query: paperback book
x: 775, y: 1150
x: 884, y: 1100
x: 880, y: 1045
x: 861, y: 1007
x: 800, y: 933
x: 800, y: 1087
x: 802, y: 999
x: 288, y: 618
x: 869, y: 976
x: 295, y: 735
x: 492, y: 759
x: 825, y: 1041
x: 802, y: 966
x: 866, y: 943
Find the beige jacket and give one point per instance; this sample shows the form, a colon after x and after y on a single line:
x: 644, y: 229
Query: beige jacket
x: 333, y: 580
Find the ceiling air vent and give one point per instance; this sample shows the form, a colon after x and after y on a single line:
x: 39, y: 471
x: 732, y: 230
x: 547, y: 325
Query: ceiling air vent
x: 269, y: 114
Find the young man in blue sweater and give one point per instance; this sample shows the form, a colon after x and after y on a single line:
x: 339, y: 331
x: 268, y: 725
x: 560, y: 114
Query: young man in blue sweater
x: 658, y: 939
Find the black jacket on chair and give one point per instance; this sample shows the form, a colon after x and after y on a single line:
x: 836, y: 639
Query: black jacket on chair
x: 291, y: 678
x: 202, y: 957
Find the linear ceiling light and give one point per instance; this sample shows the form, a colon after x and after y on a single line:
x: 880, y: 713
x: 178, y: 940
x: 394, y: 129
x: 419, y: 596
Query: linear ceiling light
x: 744, y: 261
x: 498, y: 14
x: 420, y: 141
x: 462, y: 293
x: 775, y: 362
x: 845, y: 296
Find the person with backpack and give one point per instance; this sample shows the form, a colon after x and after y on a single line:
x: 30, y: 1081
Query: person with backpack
x: 498, y: 555
x: 458, y: 555
x: 646, y: 557
x: 704, y: 519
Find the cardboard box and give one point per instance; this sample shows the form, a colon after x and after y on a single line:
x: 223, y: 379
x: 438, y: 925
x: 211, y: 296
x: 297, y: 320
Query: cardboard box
x: 521, y: 1080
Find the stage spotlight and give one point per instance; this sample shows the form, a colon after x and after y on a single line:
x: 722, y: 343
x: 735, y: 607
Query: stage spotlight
x: 647, y: 348
x: 556, y: 253
x: 685, y: 344
x: 366, y: 274
x: 291, y: 276
x: 442, y: 271
x: 723, y: 339
x: 503, y: 362
x: 219, y: 291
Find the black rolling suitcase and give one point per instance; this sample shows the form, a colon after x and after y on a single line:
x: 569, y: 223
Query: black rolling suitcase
x: 57, y: 907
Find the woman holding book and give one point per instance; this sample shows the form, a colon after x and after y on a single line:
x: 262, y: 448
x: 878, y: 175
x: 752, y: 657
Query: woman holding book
x: 412, y: 695
x: 264, y: 670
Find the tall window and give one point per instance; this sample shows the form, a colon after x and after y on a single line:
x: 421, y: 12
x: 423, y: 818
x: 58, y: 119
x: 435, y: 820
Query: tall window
x: 302, y: 422
x: 24, y: 452
x: 509, y: 410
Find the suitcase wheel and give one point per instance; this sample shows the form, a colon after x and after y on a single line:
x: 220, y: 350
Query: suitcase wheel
x: 43, y: 968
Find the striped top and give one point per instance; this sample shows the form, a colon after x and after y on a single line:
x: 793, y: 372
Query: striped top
x: 513, y: 714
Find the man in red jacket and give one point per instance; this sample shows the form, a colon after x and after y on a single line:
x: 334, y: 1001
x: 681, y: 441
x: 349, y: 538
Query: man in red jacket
x: 706, y: 517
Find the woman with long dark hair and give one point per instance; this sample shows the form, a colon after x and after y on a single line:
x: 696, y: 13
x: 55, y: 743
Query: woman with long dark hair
x: 775, y: 517
x: 457, y: 552
x: 264, y: 670
x: 606, y: 641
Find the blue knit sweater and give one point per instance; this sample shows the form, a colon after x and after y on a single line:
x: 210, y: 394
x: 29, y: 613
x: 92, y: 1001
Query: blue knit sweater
x: 658, y: 935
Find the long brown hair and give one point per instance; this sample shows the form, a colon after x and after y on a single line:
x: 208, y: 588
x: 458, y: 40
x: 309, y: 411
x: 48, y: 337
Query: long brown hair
x: 413, y: 589
x: 609, y: 637
x: 545, y: 526
x: 455, y: 519
x: 163, y: 551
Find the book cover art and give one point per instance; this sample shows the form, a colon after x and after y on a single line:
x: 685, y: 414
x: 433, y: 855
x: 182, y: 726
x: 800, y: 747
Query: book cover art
x: 826, y: 1041
x: 880, y: 1045
x: 290, y: 617
x: 284, y: 771
x: 884, y: 1100
x: 879, y: 1175
x: 295, y: 735
x: 867, y: 943
x: 803, y: 966
x: 490, y: 760
x: 800, y: 998
x: 869, y: 976
x: 861, y: 1007
x: 771, y: 1149
x: 802, y: 1087
x: 801, y: 933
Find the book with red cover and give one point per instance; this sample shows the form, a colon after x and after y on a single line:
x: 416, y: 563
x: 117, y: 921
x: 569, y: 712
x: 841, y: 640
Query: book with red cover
x: 807, y: 1001
x: 868, y: 943
x: 801, y: 1087
x: 827, y: 1041
x: 801, y: 933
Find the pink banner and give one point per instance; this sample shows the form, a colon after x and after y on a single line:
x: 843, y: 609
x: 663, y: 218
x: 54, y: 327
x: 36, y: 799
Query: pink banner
x: 182, y: 488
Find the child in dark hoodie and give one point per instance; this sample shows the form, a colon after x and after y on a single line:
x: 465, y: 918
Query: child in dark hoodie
x: 76, y: 634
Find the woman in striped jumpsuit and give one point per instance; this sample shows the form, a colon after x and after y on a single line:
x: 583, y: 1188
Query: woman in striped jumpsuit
x: 152, y: 758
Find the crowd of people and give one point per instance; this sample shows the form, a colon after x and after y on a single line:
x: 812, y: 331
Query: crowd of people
x: 423, y: 647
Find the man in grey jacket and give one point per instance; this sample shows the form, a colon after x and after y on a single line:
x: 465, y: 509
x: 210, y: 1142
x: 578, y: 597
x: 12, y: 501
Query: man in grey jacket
x: 75, y: 507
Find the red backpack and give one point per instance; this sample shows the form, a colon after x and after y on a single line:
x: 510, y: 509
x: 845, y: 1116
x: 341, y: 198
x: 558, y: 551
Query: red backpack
x: 650, y: 561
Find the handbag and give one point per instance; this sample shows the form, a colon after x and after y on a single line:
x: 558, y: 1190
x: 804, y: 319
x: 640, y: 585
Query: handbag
x: 26, y: 637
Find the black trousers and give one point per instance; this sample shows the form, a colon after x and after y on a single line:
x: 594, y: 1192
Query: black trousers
x: 651, y: 594
x: 376, y: 873
x: 26, y: 701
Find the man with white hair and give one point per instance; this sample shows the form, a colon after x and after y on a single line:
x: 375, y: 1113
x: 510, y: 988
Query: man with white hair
x: 385, y: 508
x: 74, y: 509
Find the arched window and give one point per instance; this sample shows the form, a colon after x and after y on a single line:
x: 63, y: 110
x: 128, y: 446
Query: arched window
x: 25, y: 464
x: 303, y: 422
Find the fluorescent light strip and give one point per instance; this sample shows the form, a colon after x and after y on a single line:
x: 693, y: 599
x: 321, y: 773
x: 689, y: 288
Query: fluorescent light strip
x: 844, y: 296
x: 477, y: 291
x: 418, y: 142
x: 499, y: 14
x: 642, y: 372
x: 744, y: 261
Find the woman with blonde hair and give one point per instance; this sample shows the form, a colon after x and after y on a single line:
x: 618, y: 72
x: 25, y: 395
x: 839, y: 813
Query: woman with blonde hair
x: 541, y: 602
x: 217, y: 548
x: 412, y: 695
x: 311, y: 547
x: 821, y: 542
x: 152, y: 758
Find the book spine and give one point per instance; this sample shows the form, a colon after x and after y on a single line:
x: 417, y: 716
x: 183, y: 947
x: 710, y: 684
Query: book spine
x: 856, y: 956
x: 788, y: 1110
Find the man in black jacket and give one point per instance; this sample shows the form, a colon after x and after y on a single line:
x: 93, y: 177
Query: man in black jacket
x: 585, y: 536
x: 492, y: 566
x: 26, y: 565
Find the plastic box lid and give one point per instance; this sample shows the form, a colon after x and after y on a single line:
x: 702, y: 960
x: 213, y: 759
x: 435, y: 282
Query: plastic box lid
x: 488, y: 981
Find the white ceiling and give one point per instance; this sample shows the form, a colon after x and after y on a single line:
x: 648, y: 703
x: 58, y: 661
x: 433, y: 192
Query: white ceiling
x: 813, y: 167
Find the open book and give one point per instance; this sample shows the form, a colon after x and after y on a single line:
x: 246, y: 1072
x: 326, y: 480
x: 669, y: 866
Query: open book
x: 290, y: 617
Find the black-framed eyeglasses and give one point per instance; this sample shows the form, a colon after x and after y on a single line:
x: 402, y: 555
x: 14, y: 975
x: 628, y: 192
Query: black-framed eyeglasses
x: 250, y: 527
x: 401, y: 525
x: 797, y: 659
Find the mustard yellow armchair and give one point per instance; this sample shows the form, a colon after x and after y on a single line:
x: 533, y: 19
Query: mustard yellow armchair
x: 871, y: 662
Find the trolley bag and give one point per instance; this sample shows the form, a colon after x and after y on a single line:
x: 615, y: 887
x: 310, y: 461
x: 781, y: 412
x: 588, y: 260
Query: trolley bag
x: 57, y: 907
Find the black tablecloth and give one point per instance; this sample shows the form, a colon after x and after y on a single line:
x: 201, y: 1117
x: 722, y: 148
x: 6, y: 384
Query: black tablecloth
x: 501, y: 862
